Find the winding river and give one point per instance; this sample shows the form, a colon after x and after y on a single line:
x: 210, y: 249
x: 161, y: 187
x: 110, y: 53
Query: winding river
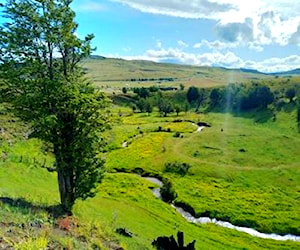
x: 203, y: 220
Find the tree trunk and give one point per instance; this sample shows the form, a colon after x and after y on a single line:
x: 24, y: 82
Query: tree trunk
x: 65, y: 184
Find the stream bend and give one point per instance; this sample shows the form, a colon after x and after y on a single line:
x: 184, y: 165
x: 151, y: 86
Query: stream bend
x: 204, y: 220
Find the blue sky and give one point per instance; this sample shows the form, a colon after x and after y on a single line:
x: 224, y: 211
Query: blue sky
x: 256, y: 34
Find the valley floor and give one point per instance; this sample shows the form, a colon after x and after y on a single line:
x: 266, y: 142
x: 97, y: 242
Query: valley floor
x: 241, y: 170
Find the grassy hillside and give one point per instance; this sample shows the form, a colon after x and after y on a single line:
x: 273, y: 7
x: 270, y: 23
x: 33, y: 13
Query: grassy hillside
x: 29, y: 192
x: 242, y: 171
x: 113, y: 74
x: 245, y: 169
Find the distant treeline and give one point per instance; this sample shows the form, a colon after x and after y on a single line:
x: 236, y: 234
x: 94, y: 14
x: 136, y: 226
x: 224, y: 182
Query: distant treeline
x: 161, y: 79
x: 232, y: 98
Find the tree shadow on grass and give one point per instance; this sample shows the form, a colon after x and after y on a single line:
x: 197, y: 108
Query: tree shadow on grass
x: 257, y: 115
x: 26, y: 207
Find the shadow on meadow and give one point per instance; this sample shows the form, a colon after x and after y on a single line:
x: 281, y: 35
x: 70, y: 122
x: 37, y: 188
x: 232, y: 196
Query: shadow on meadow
x: 258, y: 116
x: 55, y: 211
x: 262, y: 116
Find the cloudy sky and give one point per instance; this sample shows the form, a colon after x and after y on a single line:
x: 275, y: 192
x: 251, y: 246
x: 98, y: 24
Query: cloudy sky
x: 256, y: 34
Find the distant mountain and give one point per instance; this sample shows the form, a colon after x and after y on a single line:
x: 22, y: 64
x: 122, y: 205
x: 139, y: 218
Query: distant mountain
x: 254, y: 71
x: 97, y: 57
x: 285, y: 73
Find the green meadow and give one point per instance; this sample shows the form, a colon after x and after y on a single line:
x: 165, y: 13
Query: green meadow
x: 256, y: 187
x: 241, y: 171
x: 244, y: 168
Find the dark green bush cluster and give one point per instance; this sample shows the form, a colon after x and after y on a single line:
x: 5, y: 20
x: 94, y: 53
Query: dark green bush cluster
x: 160, y: 129
x: 167, y: 191
x: 176, y: 134
x: 177, y: 168
x: 240, y: 97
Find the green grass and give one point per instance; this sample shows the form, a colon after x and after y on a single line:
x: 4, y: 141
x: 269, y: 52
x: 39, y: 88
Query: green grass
x: 254, y: 188
x: 257, y: 188
x: 124, y: 200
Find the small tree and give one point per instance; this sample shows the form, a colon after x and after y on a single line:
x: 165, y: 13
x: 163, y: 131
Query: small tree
x: 192, y: 94
x: 124, y: 90
x: 257, y: 97
x: 148, y: 106
x: 264, y: 96
x: 144, y: 92
x: 177, y: 109
x: 165, y: 107
x: 290, y: 93
x: 133, y: 107
x: 39, y: 53
x: 141, y: 105
x: 186, y: 106
x: 200, y: 98
x: 215, y: 97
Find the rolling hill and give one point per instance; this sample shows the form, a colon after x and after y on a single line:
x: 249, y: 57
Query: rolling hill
x: 113, y: 74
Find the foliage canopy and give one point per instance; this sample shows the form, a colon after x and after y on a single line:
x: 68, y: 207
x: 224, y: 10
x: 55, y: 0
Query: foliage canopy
x: 39, y: 53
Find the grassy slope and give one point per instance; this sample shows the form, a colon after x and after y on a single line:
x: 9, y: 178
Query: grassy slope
x: 257, y: 188
x: 123, y: 201
x: 263, y: 191
x: 113, y: 74
x: 119, y: 204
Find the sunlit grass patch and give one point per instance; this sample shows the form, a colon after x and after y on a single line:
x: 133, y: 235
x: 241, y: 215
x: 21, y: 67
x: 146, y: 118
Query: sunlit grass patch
x: 139, y: 154
x: 236, y: 166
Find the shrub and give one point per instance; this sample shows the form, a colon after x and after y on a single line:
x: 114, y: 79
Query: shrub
x: 177, y: 168
x: 167, y: 192
x: 196, y: 153
x: 176, y: 134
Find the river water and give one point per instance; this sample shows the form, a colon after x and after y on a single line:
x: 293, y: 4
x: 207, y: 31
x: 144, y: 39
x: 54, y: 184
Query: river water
x: 203, y: 220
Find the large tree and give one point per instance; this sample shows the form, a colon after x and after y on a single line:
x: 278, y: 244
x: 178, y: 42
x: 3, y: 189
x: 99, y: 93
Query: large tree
x: 39, y: 53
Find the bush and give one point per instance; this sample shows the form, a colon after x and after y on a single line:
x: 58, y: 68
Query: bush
x: 196, y: 153
x: 167, y: 192
x: 177, y: 168
x: 176, y: 134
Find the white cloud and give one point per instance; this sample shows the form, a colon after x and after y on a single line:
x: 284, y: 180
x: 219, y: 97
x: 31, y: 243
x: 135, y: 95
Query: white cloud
x: 235, y: 32
x: 295, y: 38
x: 158, y: 44
x: 88, y: 6
x: 218, y: 45
x: 255, y: 46
x: 182, y: 44
x: 198, y: 45
x: 216, y: 58
x: 179, y: 8
x: 260, y: 21
x: 215, y: 45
